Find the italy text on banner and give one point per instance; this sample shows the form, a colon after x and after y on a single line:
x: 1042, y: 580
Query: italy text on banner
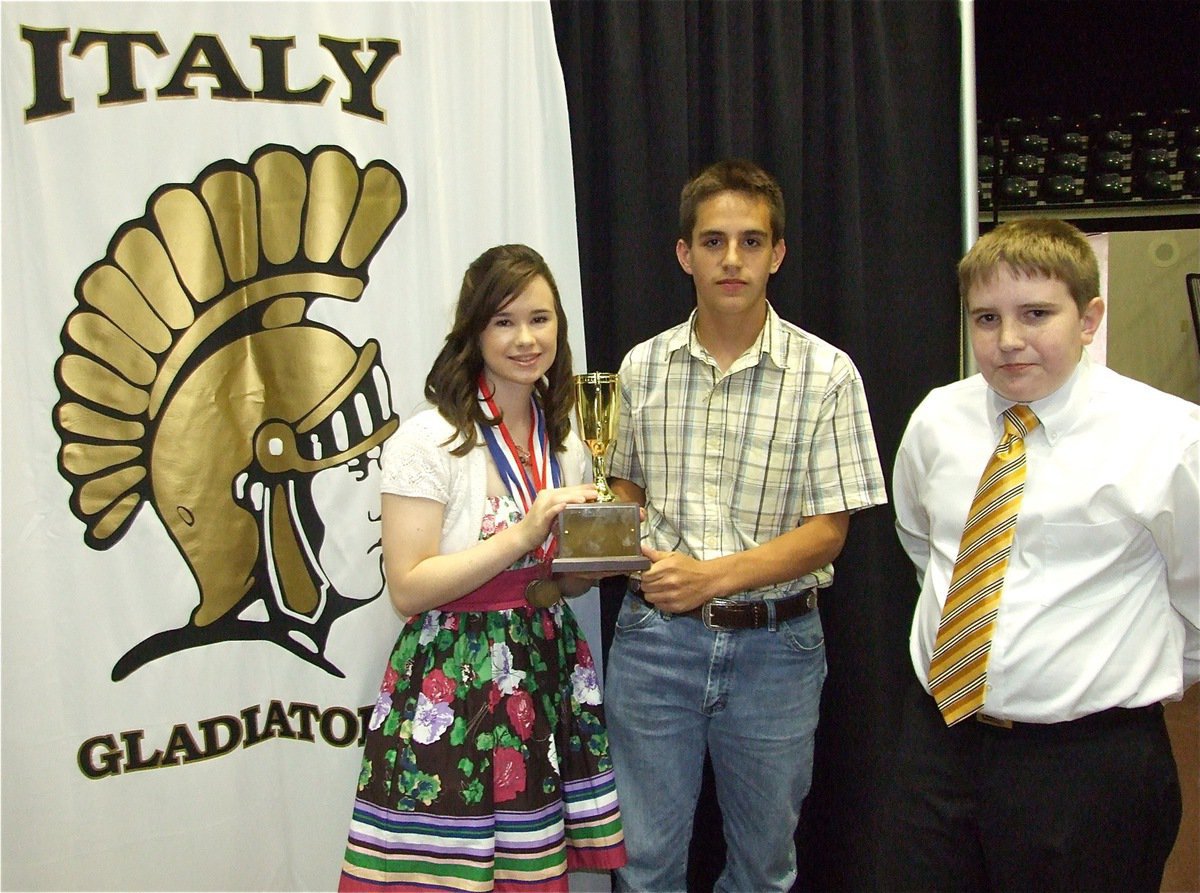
x: 232, y: 236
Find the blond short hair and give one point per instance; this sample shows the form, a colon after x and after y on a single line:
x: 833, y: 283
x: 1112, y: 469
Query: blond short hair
x: 1036, y: 248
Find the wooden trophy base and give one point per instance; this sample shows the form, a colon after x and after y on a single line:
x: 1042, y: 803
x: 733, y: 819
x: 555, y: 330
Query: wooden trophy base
x: 600, y: 537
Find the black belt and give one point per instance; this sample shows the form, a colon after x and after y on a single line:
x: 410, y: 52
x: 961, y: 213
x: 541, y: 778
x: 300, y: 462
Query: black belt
x: 1072, y: 728
x: 726, y: 613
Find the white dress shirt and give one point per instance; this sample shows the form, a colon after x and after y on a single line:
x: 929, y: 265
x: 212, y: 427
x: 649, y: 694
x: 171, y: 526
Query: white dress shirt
x: 1101, y: 600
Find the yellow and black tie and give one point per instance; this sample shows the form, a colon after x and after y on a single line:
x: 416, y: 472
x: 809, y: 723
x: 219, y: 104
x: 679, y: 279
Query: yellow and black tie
x: 958, y: 668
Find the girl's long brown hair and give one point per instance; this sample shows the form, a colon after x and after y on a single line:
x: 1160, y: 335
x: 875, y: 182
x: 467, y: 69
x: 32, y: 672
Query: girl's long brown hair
x: 491, y: 281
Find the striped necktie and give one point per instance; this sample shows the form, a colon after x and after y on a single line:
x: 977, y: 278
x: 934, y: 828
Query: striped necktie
x: 958, y: 668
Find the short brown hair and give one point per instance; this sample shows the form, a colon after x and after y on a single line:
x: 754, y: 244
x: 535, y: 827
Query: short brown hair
x: 731, y: 175
x: 1034, y: 247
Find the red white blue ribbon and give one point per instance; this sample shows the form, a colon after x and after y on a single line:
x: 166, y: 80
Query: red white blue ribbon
x: 523, y: 483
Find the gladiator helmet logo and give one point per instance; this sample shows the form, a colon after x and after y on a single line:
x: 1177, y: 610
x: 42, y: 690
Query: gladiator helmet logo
x: 192, y: 381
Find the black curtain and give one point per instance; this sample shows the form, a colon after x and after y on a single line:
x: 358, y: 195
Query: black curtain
x: 854, y: 106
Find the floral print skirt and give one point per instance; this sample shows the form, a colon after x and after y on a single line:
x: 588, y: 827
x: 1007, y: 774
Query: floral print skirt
x: 486, y: 763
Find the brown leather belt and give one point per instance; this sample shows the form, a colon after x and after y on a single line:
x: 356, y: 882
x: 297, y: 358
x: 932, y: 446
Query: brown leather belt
x: 725, y: 613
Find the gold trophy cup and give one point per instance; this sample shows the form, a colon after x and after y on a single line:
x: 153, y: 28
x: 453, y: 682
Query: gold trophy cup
x: 604, y: 535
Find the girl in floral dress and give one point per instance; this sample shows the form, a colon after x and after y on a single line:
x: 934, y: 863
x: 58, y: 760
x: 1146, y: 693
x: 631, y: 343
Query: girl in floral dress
x: 486, y: 763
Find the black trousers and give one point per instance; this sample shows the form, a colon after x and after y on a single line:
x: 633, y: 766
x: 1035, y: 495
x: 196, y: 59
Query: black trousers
x: 1092, y: 805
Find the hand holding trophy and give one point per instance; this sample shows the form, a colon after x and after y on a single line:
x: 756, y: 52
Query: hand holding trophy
x: 604, y: 535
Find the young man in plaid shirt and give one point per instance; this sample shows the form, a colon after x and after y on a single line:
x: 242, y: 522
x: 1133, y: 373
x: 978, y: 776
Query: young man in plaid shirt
x: 749, y: 444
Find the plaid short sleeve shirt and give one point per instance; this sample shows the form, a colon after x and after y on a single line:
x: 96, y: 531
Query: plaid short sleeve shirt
x: 731, y: 460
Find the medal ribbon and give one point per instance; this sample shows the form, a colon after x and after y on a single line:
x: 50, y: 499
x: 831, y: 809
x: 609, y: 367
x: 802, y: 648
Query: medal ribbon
x: 523, y: 484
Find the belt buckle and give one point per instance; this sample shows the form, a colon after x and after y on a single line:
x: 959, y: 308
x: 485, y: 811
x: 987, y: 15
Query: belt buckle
x: 706, y: 612
x: 993, y: 721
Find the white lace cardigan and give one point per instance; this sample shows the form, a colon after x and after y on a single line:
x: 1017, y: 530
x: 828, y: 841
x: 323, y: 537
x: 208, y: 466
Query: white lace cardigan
x: 415, y: 463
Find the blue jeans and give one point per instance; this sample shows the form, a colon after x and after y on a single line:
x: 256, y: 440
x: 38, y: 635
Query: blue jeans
x: 675, y: 688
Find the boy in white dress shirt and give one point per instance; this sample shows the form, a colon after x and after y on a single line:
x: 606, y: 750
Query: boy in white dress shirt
x: 1063, y: 779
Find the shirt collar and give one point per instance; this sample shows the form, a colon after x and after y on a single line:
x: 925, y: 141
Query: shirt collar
x: 1057, y: 412
x: 771, y: 341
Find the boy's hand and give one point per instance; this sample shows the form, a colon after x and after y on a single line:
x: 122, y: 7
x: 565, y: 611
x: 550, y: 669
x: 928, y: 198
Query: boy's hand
x: 676, y: 583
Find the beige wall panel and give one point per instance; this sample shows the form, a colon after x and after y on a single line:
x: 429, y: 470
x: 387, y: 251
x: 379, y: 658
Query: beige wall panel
x: 1150, y: 332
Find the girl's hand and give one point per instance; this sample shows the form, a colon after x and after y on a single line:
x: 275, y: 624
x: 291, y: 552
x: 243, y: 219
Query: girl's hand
x: 549, y: 505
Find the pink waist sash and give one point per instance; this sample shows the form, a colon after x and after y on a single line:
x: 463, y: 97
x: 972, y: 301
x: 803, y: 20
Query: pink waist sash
x: 505, y: 590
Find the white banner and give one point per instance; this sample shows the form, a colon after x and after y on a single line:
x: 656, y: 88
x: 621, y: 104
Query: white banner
x: 232, y: 237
